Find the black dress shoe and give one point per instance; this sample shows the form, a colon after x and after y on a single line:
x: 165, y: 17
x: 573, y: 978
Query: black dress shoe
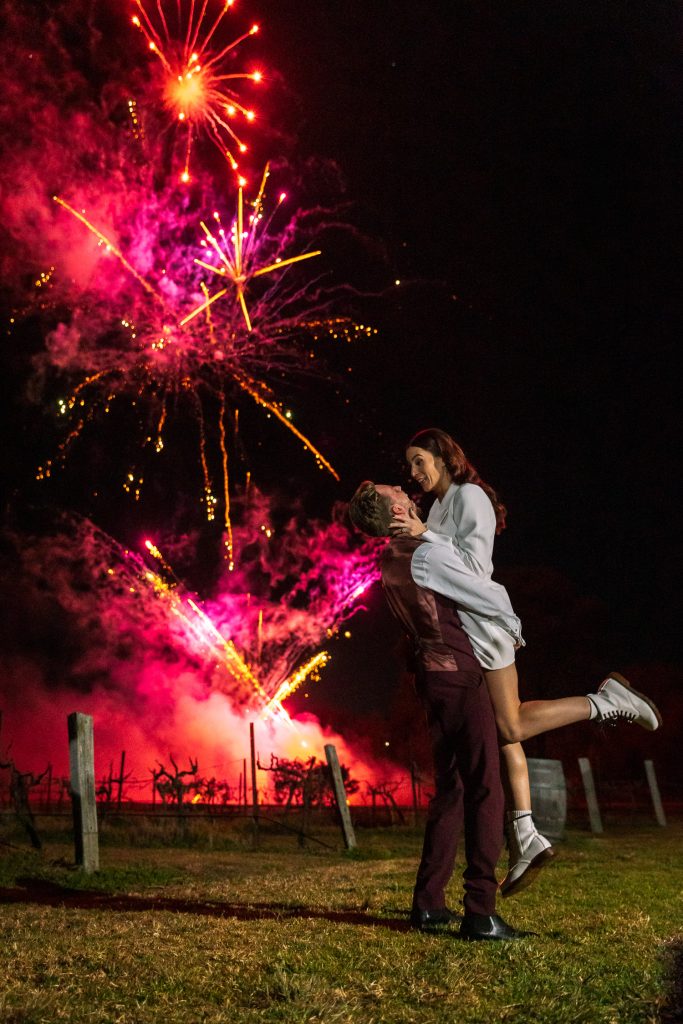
x: 487, y: 928
x: 428, y: 919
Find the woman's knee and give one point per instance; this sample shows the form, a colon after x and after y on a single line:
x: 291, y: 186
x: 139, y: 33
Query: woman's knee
x: 509, y: 728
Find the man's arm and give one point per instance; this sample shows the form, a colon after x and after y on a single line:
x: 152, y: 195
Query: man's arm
x: 439, y: 567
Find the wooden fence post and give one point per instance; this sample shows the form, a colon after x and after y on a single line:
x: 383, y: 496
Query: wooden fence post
x: 340, y: 796
x: 84, y: 806
x: 591, y: 797
x: 254, y: 787
x: 121, y: 780
x: 654, y: 793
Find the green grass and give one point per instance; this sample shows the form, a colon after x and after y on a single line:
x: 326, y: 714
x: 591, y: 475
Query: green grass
x: 285, y: 935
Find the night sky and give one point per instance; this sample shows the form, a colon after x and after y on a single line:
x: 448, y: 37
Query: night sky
x: 522, y: 169
x: 517, y: 170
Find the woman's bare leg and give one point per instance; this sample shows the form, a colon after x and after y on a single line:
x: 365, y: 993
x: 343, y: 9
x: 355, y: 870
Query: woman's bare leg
x: 515, y: 777
x: 529, y: 851
x: 519, y: 721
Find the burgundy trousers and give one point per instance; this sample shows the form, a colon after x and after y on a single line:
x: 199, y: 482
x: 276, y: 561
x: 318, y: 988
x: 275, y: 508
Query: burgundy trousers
x: 467, y: 787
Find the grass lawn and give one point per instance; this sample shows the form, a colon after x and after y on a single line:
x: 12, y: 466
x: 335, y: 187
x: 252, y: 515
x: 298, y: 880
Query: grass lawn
x: 288, y: 935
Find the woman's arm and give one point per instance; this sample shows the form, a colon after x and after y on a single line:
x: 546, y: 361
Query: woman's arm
x: 471, y: 528
x: 440, y: 567
x: 473, y: 522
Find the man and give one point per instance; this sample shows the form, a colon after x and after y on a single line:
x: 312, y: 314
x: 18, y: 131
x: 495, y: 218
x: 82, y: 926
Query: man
x: 451, y: 687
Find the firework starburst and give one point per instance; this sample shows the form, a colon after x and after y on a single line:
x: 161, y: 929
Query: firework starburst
x: 238, y: 252
x: 197, y: 90
x: 219, y: 349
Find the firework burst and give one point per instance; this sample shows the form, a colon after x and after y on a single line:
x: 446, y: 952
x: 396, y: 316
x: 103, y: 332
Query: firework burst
x: 196, y: 88
x: 237, y: 252
x: 148, y: 317
x: 219, y: 351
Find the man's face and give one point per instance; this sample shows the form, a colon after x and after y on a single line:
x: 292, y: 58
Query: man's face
x: 394, y: 496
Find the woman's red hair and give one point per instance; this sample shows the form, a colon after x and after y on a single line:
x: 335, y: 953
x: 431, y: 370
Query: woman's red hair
x: 441, y: 445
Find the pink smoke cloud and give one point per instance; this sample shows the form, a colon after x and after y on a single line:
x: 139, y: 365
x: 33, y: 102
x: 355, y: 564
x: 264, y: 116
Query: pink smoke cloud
x: 109, y: 638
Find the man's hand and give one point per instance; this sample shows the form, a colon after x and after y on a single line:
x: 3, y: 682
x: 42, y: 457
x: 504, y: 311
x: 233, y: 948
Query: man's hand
x: 406, y: 523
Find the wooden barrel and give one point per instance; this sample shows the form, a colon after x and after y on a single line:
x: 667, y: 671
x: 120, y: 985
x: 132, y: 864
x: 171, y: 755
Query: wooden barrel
x: 548, y: 796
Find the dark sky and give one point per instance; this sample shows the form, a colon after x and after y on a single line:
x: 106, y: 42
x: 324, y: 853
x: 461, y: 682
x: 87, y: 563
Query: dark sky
x: 517, y: 168
x: 522, y: 166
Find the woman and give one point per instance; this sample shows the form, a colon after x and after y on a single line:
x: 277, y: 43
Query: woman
x: 469, y: 512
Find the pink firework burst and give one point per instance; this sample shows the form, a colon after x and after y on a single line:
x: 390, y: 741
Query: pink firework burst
x: 130, y: 335
x: 196, y: 88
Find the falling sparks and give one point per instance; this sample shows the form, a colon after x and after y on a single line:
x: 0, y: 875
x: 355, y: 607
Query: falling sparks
x: 196, y: 89
x: 44, y: 278
x: 136, y: 124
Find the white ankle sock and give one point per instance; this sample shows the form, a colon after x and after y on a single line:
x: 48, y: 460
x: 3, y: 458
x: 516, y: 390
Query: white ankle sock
x: 525, y: 823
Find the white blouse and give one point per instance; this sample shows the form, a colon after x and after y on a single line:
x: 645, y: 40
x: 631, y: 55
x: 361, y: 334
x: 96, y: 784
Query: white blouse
x: 466, y: 519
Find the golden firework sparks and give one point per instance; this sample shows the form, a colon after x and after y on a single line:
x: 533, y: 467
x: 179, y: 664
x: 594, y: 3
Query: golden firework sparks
x: 237, y: 253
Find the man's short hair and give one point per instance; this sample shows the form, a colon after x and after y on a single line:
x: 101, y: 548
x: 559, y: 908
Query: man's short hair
x: 369, y: 511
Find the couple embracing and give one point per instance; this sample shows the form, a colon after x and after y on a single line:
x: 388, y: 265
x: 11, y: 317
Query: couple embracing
x: 437, y: 580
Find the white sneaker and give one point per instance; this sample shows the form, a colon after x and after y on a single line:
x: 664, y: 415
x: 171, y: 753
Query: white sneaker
x: 617, y: 699
x: 527, y: 857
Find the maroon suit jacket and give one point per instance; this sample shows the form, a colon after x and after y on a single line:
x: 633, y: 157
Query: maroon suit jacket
x: 431, y: 621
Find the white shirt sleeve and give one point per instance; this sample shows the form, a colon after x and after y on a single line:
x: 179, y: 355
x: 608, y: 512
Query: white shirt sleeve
x: 474, y: 526
x: 440, y: 567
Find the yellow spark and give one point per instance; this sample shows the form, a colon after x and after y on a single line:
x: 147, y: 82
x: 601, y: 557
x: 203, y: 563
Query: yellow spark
x: 259, y: 636
x: 110, y: 246
x: 287, y: 688
x: 226, y: 491
x: 159, y: 443
x: 251, y: 388
x: 209, y: 498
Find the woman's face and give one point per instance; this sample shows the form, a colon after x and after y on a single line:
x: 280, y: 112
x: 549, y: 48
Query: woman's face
x: 428, y: 470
